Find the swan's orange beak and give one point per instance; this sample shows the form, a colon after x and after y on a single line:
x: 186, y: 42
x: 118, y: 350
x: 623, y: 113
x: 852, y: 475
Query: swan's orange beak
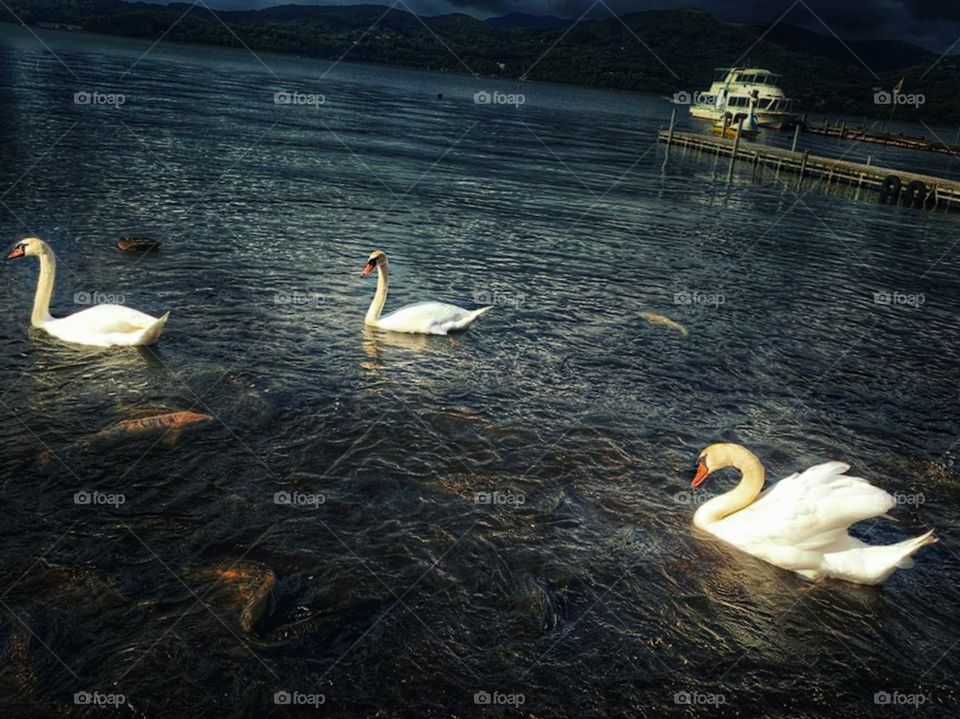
x: 701, y: 475
x: 368, y: 268
x: 17, y: 252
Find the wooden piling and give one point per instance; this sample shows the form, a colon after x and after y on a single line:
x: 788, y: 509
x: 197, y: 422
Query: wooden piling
x: 736, y: 147
x: 803, y: 167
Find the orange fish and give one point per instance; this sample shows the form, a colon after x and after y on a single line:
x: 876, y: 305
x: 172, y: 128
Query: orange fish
x: 137, y: 244
x: 172, y: 422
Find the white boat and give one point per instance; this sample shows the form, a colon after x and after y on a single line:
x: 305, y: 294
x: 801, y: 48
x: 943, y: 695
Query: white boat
x: 731, y: 91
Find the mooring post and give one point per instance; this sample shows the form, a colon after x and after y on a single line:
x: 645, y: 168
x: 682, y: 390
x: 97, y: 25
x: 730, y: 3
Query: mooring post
x: 796, y: 134
x: 673, y: 119
x: 843, y: 130
x: 736, y: 146
x: 863, y: 174
x: 803, y: 168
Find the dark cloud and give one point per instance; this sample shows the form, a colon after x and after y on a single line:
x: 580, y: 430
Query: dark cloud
x: 932, y: 23
x: 948, y: 10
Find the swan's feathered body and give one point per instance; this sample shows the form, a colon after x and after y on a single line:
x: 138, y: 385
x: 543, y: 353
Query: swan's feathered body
x: 807, y: 510
x: 432, y: 318
x: 107, y: 326
x: 801, y: 522
x: 97, y: 326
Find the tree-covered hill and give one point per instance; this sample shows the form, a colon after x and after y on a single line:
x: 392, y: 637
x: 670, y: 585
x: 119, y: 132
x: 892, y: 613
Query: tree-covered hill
x: 655, y: 51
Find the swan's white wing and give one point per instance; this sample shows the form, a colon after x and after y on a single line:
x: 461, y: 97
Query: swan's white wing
x: 106, y: 325
x: 436, y: 318
x: 807, y: 511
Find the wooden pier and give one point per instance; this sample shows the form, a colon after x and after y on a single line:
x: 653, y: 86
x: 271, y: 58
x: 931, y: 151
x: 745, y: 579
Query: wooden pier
x: 892, y: 186
x: 863, y: 134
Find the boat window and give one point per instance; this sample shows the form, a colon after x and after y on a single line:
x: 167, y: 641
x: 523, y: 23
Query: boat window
x: 764, y: 103
x: 738, y: 77
x: 774, y: 105
x: 761, y: 80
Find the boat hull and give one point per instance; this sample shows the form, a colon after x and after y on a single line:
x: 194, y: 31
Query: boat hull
x: 771, y: 120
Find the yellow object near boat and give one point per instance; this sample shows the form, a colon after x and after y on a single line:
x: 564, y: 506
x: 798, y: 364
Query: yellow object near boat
x: 731, y: 132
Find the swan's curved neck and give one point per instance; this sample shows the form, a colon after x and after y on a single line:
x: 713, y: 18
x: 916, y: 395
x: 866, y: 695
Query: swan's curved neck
x: 751, y: 484
x: 380, y: 298
x: 41, y: 301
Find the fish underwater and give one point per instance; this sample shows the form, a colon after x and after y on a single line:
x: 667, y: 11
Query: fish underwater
x: 172, y: 424
x: 656, y: 319
x: 247, y: 584
x: 137, y: 244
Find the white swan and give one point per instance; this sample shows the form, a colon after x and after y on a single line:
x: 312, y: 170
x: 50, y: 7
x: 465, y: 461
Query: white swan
x: 431, y: 318
x: 100, y: 325
x: 800, y: 523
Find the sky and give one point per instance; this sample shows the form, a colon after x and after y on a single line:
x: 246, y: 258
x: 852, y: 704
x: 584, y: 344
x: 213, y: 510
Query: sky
x: 935, y: 24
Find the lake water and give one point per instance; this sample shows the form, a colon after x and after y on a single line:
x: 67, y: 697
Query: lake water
x: 576, y: 586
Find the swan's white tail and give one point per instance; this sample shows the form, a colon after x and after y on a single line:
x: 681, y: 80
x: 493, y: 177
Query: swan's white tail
x: 873, y: 565
x: 469, y: 319
x: 152, y: 333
